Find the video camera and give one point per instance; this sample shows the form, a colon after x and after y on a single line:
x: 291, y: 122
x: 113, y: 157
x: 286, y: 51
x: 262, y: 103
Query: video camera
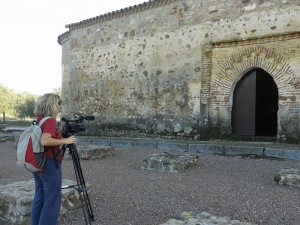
x: 74, y: 125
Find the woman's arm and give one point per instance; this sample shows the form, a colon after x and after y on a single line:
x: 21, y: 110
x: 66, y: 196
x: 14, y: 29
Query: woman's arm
x: 48, y: 140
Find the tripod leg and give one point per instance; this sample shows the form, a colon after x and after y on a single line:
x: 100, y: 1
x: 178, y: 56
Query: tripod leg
x: 84, y: 197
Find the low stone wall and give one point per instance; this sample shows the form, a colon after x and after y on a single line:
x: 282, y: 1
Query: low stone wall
x: 203, y: 218
x: 6, y: 137
x: 289, y: 177
x: 90, y: 152
x: 16, y: 202
x: 168, y: 162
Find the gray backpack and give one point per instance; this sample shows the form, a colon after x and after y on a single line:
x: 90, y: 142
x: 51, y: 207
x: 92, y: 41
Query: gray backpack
x: 30, y: 151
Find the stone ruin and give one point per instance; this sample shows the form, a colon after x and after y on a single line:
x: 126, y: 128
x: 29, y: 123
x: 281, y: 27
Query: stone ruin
x: 203, y: 218
x: 288, y: 176
x: 90, y: 152
x: 16, y: 201
x: 5, y: 137
x: 16, y: 198
x: 168, y: 162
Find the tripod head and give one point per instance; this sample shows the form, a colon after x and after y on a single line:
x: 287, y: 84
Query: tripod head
x: 73, y: 125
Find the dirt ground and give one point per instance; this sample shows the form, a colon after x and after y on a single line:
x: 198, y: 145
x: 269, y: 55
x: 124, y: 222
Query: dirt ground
x: 123, y: 194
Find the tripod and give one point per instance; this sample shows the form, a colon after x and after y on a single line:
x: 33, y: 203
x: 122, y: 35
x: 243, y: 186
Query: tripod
x: 80, y: 187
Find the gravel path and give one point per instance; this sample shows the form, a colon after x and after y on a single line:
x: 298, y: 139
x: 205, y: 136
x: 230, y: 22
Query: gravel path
x: 123, y: 194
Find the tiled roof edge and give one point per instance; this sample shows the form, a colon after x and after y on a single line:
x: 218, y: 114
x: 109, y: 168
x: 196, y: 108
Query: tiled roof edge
x: 63, y: 37
x: 119, y: 13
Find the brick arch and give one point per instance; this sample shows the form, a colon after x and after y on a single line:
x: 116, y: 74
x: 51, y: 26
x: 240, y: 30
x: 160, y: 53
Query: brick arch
x: 224, y: 82
x: 238, y: 64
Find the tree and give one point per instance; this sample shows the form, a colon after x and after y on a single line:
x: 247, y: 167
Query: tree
x: 19, y: 105
x: 7, y: 100
x: 25, y: 105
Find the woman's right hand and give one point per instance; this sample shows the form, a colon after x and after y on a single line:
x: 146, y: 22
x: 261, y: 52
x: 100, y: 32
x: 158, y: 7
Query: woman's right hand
x: 70, y: 140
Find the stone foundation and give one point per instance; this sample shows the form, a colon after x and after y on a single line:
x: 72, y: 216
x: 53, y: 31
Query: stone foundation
x: 203, y: 218
x: 289, y: 177
x: 16, y: 202
x: 6, y: 137
x: 168, y: 162
x: 88, y: 151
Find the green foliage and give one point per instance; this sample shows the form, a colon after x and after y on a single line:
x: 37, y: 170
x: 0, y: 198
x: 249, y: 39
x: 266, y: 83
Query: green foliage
x: 18, y: 105
x: 25, y: 105
x: 7, y: 100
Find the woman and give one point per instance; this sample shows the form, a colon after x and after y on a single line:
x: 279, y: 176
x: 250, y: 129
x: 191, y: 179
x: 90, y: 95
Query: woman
x: 47, y: 199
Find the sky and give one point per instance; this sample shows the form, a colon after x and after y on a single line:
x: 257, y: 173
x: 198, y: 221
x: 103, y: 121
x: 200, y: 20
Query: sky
x: 30, y: 55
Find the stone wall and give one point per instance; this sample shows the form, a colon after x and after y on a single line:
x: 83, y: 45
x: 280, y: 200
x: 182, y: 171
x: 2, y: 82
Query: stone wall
x: 16, y: 202
x: 170, y: 67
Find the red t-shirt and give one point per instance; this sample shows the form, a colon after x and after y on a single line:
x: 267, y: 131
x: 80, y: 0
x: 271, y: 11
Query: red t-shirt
x: 50, y: 127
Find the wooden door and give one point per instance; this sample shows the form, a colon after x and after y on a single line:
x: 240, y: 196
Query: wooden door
x: 243, y: 111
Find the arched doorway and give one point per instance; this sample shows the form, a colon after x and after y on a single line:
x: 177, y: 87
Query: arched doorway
x: 255, y: 105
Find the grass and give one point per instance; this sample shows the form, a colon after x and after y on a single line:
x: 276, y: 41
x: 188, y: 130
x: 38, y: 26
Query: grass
x: 12, y: 121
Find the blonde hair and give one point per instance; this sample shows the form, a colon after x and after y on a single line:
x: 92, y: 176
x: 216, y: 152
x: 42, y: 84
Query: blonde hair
x: 48, y: 105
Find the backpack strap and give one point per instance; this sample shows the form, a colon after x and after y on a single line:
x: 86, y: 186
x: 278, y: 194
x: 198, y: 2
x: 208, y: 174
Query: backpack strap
x: 42, y: 121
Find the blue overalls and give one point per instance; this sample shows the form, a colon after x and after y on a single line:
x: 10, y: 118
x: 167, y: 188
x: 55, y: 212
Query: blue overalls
x: 47, y: 200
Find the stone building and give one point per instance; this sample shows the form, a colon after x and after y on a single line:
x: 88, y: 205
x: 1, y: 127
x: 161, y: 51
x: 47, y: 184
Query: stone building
x: 187, y: 68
